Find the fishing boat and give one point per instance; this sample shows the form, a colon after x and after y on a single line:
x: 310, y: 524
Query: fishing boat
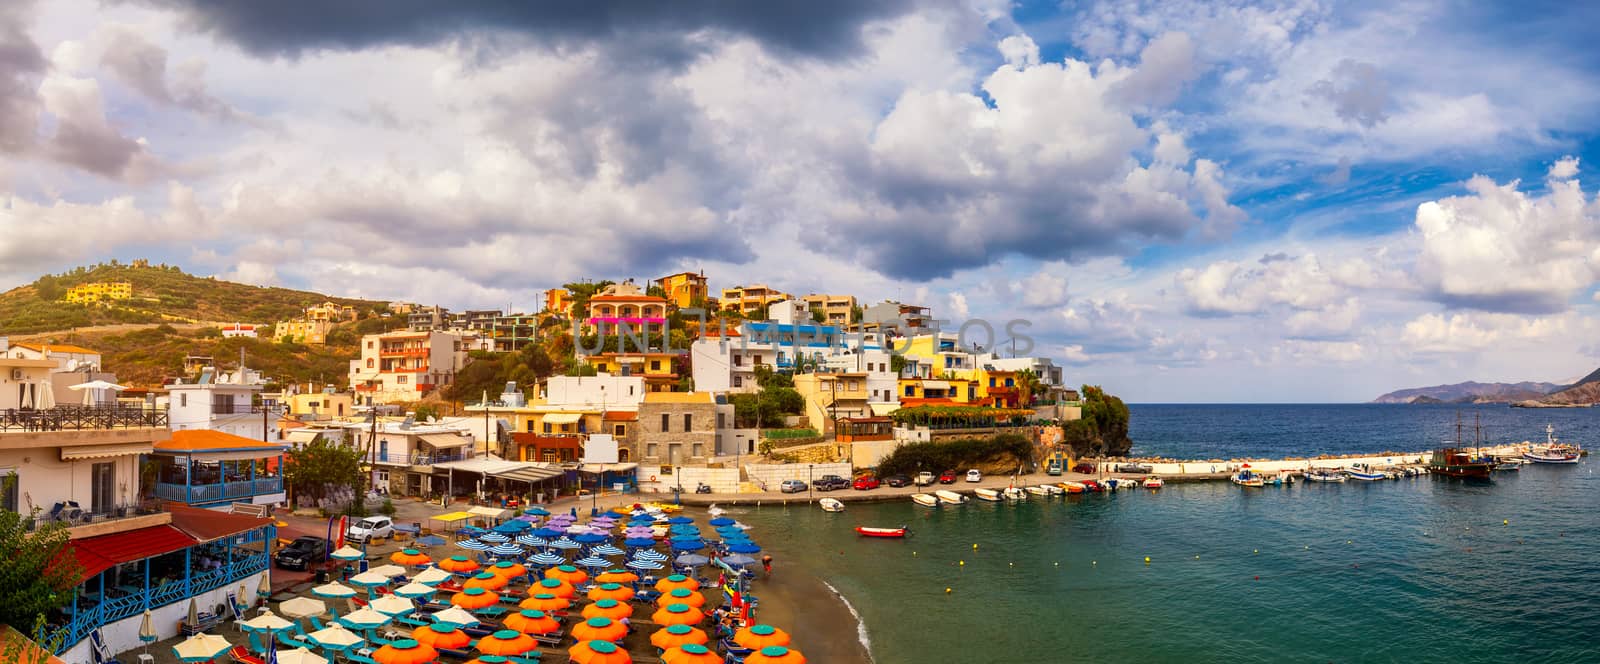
x: 990, y: 495
x: 949, y: 497
x: 1553, y: 450
x: 1013, y: 493
x: 1153, y: 482
x: 1325, y: 475
x: 1037, y: 490
x: 1091, y: 486
x: 1072, y: 487
x: 1284, y: 478
x: 1248, y: 478
x: 1052, y: 489
x: 925, y: 500
x: 864, y: 531
x: 830, y: 505
x: 1457, y: 462
x: 1365, y: 473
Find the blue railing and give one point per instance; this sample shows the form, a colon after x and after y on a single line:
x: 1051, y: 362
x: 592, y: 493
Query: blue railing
x: 198, y: 494
x: 109, y: 611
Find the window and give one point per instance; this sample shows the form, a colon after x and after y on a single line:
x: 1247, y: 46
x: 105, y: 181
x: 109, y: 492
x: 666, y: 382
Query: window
x: 655, y: 365
x: 8, y: 491
x: 547, y: 428
x: 738, y: 360
x: 380, y: 477
x: 183, y: 399
x: 666, y: 423
x: 369, y: 344
x: 369, y: 363
x: 688, y: 422
x: 100, y: 496
x: 911, y: 390
x: 972, y: 393
x: 530, y: 426
x: 738, y: 381
x: 651, y: 450
x: 619, y: 430
x: 699, y: 449
x: 401, y: 379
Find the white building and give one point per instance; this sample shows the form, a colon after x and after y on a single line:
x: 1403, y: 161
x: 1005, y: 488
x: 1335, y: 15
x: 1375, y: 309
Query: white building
x: 605, y: 392
x: 239, y: 330
x: 407, y: 365
x: 231, y: 404
x: 726, y: 363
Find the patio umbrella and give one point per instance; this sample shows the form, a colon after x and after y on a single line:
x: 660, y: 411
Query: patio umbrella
x: 684, y: 529
x: 268, y: 622
x: 389, y: 571
x: 690, y: 560
x: 430, y: 540
x: 577, y: 529
x: 532, y: 540
x: 508, y: 569
x: 688, y: 545
x: 598, y: 652
x: 690, y: 653
x: 369, y: 578
x: 775, y: 655
x: 511, y: 527
x: 506, y: 642
x: 364, y: 619
x: 677, y: 614
x: 744, y: 548
x: 546, y: 532
x: 682, y: 596
x: 347, y: 553
x: 593, y: 562
x: 473, y: 545
x: 639, y: 542
x: 506, y: 549
x: 673, y: 636
x: 301, y: 607
x: 599, y: 629
x: 473, y: 599
x: 756, y: 637
x: 607, y: 550
x: 680, y: 520
x: 589, y: 538
x: 545, y: 602
x: 565, y: 543
x: 194, y: 612
x: 456, y: 617
x: 458, y: 564
x: 493, y: 538
x: 645, y: 564
x: 567, y: 573
x: 414, y: 590
x: 264, y: 589
x: 486, y: 581
x: 609, y: 608
x: 530, y: 621
x: 335, y: 637
x: 721, y: 521
x: 405, y: 651
x: 614, y: 591
x: 537, y: 511
x: 201, y: 647
x: 335, y: 590
x: 729, y: 531
x: 557, y: 587
x: 546, y: 559
x: 617, y: 576
x: 650, y: 554
x: 442, y: 635
x: 432, y: 576
x: 739, y: 560
x: 393, y: 605
x: 410, y: 558
x: 300, y: 656
x: 677, y: 581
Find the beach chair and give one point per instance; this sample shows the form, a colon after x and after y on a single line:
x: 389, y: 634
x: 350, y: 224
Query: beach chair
x: 530, y: 657
x: 362, y: 659
x: 318, y: 623
x: 98, y: 650
x: 462, y: 655
x: 242, y: 656
x: 233, y: 610
x: 292, y: 642
x: 255, y: 643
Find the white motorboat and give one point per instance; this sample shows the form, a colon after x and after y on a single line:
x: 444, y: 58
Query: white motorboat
x: 949, y: 497
x: 925, y: 499
x: 1037, y: 490
x: 1053, y: 489
x: 1325, y: 475
x: 990, y: 495
x: 1013, y: 493
x: 1153, y: 482
x: 830, y: 505
x: 1248, y: 478
x: 1553, y: 451
x: 1365, y: 473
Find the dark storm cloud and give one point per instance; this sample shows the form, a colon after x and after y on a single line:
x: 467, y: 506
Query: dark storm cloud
x: 20, y: 59
x: 818, y: 28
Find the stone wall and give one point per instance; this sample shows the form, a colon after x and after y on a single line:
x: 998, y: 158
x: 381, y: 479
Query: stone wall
x: 771, y: 475
x: 702, y: 431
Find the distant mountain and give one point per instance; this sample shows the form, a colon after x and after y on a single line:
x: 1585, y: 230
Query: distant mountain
x: 1471, y: 392
x: 1585, y: 391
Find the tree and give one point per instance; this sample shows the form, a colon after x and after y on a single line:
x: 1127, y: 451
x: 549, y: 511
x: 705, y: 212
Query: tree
x: 1028, y: 386
x: 38, y: 575
x: 817, y: 316
x: 314, y: 467
x: 425, y: 412
x: 855, y: 313
x: 1103, y: 429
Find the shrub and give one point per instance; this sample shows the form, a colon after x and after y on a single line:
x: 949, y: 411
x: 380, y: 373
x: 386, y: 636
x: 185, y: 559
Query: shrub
x: 387, y: 508
x: 909, y: 458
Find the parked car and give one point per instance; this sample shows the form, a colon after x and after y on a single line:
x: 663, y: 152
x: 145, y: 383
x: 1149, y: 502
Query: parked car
x: 830, y: 482
x: 974, y: 476
x: 792, y: 486
x: 371, y: 527
x: 947, y: 477
x: 1140, y: 468
x: 1053, y: 468
x: 1085, y: 467
x: 926, y: 478
x: 897, y: 480
x: 865, y: 483
x: 302, y: 552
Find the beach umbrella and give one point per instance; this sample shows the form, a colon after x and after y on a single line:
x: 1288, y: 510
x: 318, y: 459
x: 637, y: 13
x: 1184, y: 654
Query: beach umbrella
x: 335, y: 590
x: 506, y: 642
x: 557, y: 587
x: 673, y: 636
x: 645, y: 564
x: 593, y: 562
x: 722, y: 521
x: 775, y: 655
x: 389, y: 571
x: 410, y: 558
x: 201, y: 647
x: 690, y: 560
x: 432, y: 576
x: 442, y: 635
x: 677, y: 614
x: 565, y: 543
x: 681, y: 596
x: 650, y: 554
x: 685, y: 537
x: 415, y: 590
x: 744, y: 548
x: 607, y: 550
x: 756, y: 637
x: 268, y: 622
x: 335, y: 637
x: 486, y: 581
x: 577, y: 529
x: 511, y: 527
x: 194, y: 612
x: 531, y: 540
x: 617, y: 576
x: 546, y: 532
x: 589, y: 538
x: 458, y: 564
x: 598, y: 652
x: 729, y: 531
x: 739, y: 560
x: 508, y: 569
x: 538, y: 511
x: 545, y: 602
x: 530, y: 621
x: 405, y: 651
x: 364, y: 619
x: 301, y: 607
x: 264, y: 589
x: 147, y: 630
x: 638, y: 530
x: 393, y: 605
x: 675, y: 582
x: 493, y: 538
x: 684, y: 529
x: 473, y: 545
x: 347, y: 553
x: 507, y: 549
x: 567, y: 573
x: 614, y: 591
x: 456, y: 617
x: 680, y: 520
x: 430, y: 540
x: 299, y: 656
x: 690, y: 653
x: 473, y: 599
x: 688, y: 545
x: 639, y: 542
x: 609, y: 608
x: 599, y: 629
x: 546, y: 559
x: 369, y: 579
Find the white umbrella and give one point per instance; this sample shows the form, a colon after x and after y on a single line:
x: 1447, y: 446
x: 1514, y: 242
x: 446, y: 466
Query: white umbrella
x: 413, y: 590
x: 388, y: 571
x: 348, y: 552
x: 364, y: 619
x: 392, y: 605
x: 431, y: 576
x: 194, y: 612
x: 97, y: 385
x: 267, y: 622
x: 299, y: 656
x: 47, y: 394
x: 301, y: 607
x: 455, y: 615
x: 335, y: 637
x: 265, y: 588
x: 334, y: 589
x: 147, y: 630
x: 369, y: 578
x: 201, y: 647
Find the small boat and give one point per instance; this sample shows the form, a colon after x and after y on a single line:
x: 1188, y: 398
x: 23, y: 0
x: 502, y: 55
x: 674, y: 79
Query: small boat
x: 864, y: 531
x: 1365, y: 473
x: 988, y: 494
x: 925, y: 500
x: 715, y: 511
x: 1072, y: 487
x: 1325, y: 475
x: 1553, y: 450
x: 1153, y: 482
x: 1052, y: 489
x: 1248, y: 478
x: 1013, y: 493
x: 1092, y: 486
x: 1037, y: 490
x: 1509, y: 464
x: 1111, y: 484
x: 950, y: 497
x: 830, y: 505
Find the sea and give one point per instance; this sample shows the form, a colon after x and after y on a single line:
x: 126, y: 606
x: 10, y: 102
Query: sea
x: 1415, y: 570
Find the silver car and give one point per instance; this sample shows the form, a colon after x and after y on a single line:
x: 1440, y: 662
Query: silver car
x: 792, y: 486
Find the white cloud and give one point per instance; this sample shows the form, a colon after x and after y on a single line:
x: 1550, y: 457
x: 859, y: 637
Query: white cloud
x: 1019, y: 51
x: 1564, y: 168
x: 1317, y: 351
x: 1042, y: 289
x: 1227, y: 288
x: 1462, y: 332
x: 1332, y: 320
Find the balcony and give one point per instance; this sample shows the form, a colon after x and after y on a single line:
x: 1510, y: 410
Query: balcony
x: 231, y: 408
x: 80, y: 418
x: 414, y: 459
x: 201, y: 494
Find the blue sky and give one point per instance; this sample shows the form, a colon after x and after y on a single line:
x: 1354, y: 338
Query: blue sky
x: 1191, y: 201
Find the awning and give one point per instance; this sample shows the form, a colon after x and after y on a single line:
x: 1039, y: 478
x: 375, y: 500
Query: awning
x: 210, y: 525
x: 98, y: 554
x: 301, y: 436
x: 103, y: 451
x: 444, y: 440
x: 935, y: 385
x: 482, y: 465
x: 491, y: 512
x: 562, y: 418
x: 884, y: 408
x: 598, y: 468
x: 451, y: 517
x: 530, y: 474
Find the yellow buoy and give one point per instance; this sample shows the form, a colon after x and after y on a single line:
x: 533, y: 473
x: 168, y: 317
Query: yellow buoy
x: 1147, y: 560
x: 946, y: 591
x: 1058, y: 564
x: 1094, y: 562
x: 962, y: 563
x: 1348, y: 542
x: 1255, y: 551
x: 1197, y: 557
x: 1505, y: 522
x: 974, y: 546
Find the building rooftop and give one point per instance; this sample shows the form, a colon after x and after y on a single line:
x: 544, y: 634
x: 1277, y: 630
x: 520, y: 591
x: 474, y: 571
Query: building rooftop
x: 206, y: 440
x: 678, y: 397
x: 54, y: 348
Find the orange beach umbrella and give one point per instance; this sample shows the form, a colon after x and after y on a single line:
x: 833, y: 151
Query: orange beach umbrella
x: 458, y: 564
x: 545, y: 602
x: 676, y: 581
x: 599, y: 629
x: 617, y: 576
x: 608, y: 608
x: 405, y: 651
x: 474, y: 598
x: 567, y: 573
x: 506, y: 642
x: 682, y: 596
x: 555, y: 587
x: 441, y: 635
x: 507, y: 569
x: 529, y: 621
x: 614, y: 591
x: 690, y: 653
x: 598, y: 652
x: 775, y: 655
x: 410, y: 557
x: 757, y: 637
x: 489, y: 659
x: 676, y: 635
x: 678, y: 614
x: 486, y: 581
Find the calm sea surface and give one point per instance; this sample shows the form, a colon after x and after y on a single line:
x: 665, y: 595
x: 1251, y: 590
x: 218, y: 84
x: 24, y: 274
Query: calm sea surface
x: 1414, y: 570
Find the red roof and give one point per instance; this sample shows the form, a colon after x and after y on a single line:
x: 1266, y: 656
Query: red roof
x: 98, y: 554
x: 207, y: 525
x: 628, y: 298
x: 620, y: 416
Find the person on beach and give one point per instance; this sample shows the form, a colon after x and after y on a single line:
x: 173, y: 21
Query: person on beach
x: 766, y: 564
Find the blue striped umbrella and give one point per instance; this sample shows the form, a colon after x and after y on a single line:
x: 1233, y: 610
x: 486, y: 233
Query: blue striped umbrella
x: 744, y: 548
x: 650, y: 554
x: 688, y: 545
x: 546, y: 559
x: 547, y: 532
x: 592, y: 562
x: 473, y: 545
x: 678, y: 520
x: 722, y: 521
x: 494, y: 538
x: 640, y: 542
x: 607, y: 550
x: 565, y: 543
x: 645, y: 564
x: 507, y: 549
x: 530, y: 540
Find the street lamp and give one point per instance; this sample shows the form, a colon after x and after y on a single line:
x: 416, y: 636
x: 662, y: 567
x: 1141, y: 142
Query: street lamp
x: 810, y: 478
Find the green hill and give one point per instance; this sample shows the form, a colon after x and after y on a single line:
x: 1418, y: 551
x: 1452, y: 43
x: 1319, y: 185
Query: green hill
x: 161, y: 293
x: 146, y: 357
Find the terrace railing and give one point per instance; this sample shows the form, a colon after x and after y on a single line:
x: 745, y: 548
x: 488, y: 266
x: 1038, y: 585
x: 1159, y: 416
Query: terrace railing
x: 79, y: 418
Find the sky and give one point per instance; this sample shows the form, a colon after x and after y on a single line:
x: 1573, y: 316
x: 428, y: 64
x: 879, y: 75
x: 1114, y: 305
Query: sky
x: 1186, y: 201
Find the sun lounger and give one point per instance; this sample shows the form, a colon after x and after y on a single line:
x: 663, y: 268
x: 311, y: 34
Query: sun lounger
x: 359, y: 659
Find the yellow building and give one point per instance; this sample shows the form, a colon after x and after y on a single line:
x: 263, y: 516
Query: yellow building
x: 750, y: 300
x: 938, y: 391
x: 100, y: 291
x: 559, y: 301
x: 835, y: 308
x: 330, y: 311
x: 661, y: 371
x: 833, y: 396
x: 684, y: 289
x: 320, y: 404
x: 303, y: 331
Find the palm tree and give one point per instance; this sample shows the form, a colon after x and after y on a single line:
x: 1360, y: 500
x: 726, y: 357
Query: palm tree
x: 1028, y: 386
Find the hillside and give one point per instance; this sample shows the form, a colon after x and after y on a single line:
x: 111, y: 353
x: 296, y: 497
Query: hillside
x: 145, y: 357
x: 1585, y: 391
x: 1470, y: 392
x: 160, y: 294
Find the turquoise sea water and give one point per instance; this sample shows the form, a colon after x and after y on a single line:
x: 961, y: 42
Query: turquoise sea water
x: 1421, y: 569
